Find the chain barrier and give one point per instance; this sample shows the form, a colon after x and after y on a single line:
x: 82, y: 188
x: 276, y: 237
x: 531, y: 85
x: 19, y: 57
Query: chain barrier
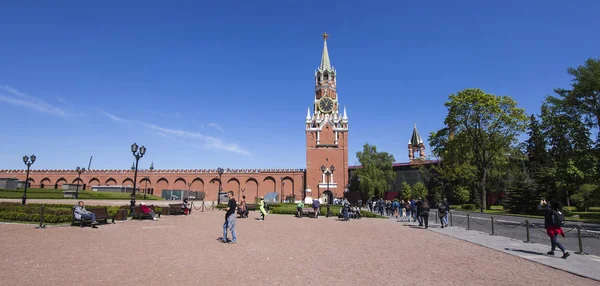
x: 462, y: 220
x: 536, y: 227
x: 588, y: 232
x: 574, y: 228
x: 481, y: 223
x: 508, y: 226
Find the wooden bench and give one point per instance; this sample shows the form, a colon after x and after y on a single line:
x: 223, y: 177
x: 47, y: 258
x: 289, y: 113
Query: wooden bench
x: 251, y: 207
x: 176, y: 209
x: 101, y: 215
x: 309, y: 212
x: 137, y: 213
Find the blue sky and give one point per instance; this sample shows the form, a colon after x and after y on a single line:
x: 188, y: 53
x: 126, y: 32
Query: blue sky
x: 204, y: 84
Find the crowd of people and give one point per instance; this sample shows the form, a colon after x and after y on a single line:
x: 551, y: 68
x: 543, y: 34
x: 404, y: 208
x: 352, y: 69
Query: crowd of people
x: 415, y: 210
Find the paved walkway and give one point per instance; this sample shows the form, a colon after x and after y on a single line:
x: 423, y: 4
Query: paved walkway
x: 582, y: 265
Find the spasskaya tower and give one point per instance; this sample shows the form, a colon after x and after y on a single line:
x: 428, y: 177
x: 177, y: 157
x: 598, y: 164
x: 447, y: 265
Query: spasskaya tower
x: 326, y: 136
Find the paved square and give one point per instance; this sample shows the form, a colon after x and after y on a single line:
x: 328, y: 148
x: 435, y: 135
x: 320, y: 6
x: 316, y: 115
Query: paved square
x: 282, y: 250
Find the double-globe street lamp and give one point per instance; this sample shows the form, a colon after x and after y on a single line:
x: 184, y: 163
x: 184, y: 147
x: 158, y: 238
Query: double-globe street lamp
x: 27, y: 162
x: 79, y: 170
x: 329, y: 196
x: 220, y: 172
x: 138, y: 154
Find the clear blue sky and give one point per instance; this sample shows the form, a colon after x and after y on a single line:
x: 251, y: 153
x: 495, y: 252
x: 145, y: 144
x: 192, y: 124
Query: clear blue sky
x: 227, y: 83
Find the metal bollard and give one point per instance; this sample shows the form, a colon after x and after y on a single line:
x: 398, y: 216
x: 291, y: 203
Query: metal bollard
x: 41, y: 218
x: 202, y: 206
x: 579, y: 239
x: 527, y: 228
x: 450, y: 213
x: 468, y: 221
x: 492, y: 225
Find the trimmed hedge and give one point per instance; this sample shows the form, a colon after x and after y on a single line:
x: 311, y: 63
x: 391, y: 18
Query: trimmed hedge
x: 497, y: 208
x: 468, y: 207
x: 569, y: 209
x: 456, y: 207
x: 594, y: 209
x: 52, y: 213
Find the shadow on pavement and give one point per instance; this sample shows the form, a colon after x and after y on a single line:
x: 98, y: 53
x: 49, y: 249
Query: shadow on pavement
x: 524, y: 251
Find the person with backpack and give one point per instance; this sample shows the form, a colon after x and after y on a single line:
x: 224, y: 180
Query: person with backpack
x: 554, y: 219
x: 396, y: 207
x: 442, y: 214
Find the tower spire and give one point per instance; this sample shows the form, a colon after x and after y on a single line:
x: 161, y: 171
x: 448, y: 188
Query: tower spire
x: 308, y: 114
x: 325, y: 64
x: 416, y: 139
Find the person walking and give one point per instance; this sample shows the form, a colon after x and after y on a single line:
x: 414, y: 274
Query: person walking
x: 442, y: 214
x: 409, y: 209
x: 230, y: 220
x: 419, y: 212
x: 345, y: 209
x: 403, y: 206
x: 261, y: 205
x: 447, y: 210
x: 553, y: 221
x: 424, y: 212
x: 396, y: 208
x: 370, y: 205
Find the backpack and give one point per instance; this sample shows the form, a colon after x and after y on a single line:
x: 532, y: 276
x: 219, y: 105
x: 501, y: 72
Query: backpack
x: 558, y: 218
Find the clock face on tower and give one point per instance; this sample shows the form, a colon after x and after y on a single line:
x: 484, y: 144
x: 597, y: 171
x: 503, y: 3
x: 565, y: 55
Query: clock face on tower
x: 326, y: 104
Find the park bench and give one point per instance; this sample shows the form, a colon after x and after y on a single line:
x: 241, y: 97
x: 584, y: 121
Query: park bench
x: 101, y: 215
x: 251, y: 207
x: 309, y: 212
x: 176, y: 209
x: 137, y: 213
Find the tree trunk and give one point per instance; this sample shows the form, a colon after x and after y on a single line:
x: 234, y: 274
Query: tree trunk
x: 483, y: 195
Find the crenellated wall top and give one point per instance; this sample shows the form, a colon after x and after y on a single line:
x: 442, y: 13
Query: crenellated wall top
x: 165, y: 171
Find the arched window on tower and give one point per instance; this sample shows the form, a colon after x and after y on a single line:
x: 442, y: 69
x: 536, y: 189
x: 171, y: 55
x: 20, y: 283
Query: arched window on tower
x: 325, y: 76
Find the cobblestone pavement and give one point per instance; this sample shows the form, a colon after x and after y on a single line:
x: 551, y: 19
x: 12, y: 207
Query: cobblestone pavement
x: 280, y: 250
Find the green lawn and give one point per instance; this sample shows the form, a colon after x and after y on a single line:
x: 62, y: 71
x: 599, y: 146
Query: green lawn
x: 84, y: 195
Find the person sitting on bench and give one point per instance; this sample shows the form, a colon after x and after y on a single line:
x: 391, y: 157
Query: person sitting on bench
x: 81, y: 213
x: 242, y: 208
x: 147, y: 210
x: 186, y: 206
x: 299, y: 209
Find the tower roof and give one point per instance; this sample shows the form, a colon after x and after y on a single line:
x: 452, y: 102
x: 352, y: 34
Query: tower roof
x: 415, y: 139
x: 325, y: 63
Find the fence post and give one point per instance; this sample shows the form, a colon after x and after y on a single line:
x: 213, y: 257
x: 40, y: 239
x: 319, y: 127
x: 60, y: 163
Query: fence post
x: 527, y: 228
x: 450, y: 218
x: 41, y: 218
x: 202, y: 206
x: 579, y: 239
x: 468, y: 221
x: 492, y: 225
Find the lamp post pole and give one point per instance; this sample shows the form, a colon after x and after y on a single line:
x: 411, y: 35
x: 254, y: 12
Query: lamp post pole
x: 27, y: 162
x: 282, y: 184
x: 138, y: 154
x: 220, y: 171
x: 79, y: 170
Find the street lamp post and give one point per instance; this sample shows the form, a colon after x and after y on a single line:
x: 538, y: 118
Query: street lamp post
x: 220, y: 171
x: 27, y: 162
x: 79, y: 170
x: 138, y: 155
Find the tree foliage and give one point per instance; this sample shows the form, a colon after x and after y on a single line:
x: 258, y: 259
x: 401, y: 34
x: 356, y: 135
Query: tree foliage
x: 376, y: 174
x: 480, y: 130
x: 419, y: 190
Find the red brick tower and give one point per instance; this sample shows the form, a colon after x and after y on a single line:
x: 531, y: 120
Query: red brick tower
x: 326, y: 136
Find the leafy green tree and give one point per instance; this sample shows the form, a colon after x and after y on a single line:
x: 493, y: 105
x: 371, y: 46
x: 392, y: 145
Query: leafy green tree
x: 587, y: 196
x: 377, y: 174
x: 488, y: 124
x: 419, y: 190
x: 406, y: 191
x: 585, y: 92
x: 461, y: 194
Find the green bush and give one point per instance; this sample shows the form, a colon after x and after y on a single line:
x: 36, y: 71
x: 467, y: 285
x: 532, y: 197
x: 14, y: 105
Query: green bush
x: 468, y: 207
x: 497, y: 208
x: 456, y: 207
x: 594, y: 209
x: 569, y: 209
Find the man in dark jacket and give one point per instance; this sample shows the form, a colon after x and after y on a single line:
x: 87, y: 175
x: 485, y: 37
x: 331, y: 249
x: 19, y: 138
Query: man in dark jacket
x: 230, y: 219
x: 419, y: 207
x: 553, y: 227
x: 446, y: 207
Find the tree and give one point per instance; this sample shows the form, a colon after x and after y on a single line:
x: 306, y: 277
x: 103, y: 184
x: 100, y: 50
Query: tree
x: 406, y: 191
x: 419, y: 190
x: 585, y: 93
x: 489, y: 124
x: 461, y: 194
x: 377, y: 174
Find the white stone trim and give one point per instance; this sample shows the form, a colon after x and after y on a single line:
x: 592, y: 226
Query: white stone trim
x: 324, y: 186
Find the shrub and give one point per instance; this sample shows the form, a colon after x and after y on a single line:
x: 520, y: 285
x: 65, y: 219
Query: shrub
x: 497, y: 208
x: 455, y: 207
x: 569, y: 209
x: 468, y: 207
x: 594, y: 209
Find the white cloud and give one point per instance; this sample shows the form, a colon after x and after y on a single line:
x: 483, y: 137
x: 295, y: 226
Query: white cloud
x: 15, y: 97
x: 60, y: 99
x: 111, y: 116
x: 209, y: 141
x: 216, y: 126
